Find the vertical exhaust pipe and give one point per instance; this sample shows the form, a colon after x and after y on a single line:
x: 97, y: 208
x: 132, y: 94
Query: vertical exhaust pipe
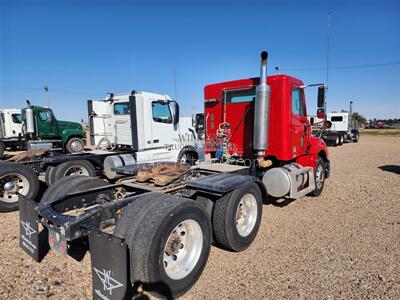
x: 261, y: 111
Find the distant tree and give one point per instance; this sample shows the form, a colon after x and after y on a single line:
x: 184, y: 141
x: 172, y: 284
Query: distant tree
x: 359, y: 120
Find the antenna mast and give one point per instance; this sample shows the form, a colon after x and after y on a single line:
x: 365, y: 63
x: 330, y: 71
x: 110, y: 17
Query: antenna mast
x: 174, y: 71
x: 327, y: 49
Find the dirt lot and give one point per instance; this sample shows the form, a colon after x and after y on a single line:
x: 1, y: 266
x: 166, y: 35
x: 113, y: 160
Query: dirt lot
x: 345, y: 244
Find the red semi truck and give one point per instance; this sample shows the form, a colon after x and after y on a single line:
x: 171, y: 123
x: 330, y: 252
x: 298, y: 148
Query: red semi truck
x: 154, y: 227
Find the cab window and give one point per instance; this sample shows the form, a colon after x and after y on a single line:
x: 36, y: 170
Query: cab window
x: 337, y: 119
x: 121, y: 108
x: 239, y: 96
x: 161, y: 112
x: 43, y: 116
x: 297, y: 103
x: 16, y: 118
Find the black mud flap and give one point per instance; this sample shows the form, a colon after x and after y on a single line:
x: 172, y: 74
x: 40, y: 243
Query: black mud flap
x: 110, y: 267
x: 31, y: 240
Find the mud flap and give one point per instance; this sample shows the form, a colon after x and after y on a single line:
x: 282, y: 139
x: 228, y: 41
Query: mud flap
x: 31, y: 240
x: 110, y: 266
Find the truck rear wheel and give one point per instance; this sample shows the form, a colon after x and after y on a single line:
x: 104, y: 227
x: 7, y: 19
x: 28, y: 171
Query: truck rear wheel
x: 72, y: 168
x: 188, y: 157
x: 356, y: 138
x: 236, y: 218
x: 341, y: 139
x: 75, y: 145
x: 49, y: 175
x: 169, y: 247
x: 336, y: 141
x: 16, y: 179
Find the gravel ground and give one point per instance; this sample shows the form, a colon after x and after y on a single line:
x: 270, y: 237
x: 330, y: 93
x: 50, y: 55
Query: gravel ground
x: 344, y: 244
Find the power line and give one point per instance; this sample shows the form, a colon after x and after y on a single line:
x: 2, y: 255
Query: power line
x: 346, y: 67
x: 51, y: 90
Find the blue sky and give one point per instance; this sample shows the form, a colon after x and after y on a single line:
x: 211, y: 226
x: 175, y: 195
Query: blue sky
x: 84, y: 49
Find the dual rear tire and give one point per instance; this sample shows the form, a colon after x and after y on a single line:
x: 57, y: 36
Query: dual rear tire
x: 69, y: 168
x: 169, y: 241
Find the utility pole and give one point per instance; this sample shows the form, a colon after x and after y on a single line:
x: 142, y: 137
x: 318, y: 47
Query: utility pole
x: 46, y: 95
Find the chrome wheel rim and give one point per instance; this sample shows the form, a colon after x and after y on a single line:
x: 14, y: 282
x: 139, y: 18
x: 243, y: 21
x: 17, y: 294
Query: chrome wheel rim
x: 76, y: 146
x: 184, y: 158
x: 319, y: 176
x: 246, y: 215
x: 183, y: 249
x: 76, y: 170
x: 13, y: 184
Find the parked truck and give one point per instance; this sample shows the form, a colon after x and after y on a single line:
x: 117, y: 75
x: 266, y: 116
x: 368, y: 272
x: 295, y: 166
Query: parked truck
x: 10, y: 126
x: 341, y: 127
x: 127, y: 129
x: 153, y: 228
x: 37, y: 127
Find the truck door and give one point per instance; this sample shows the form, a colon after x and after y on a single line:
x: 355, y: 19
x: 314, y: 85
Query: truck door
x: 299, y: 127
x: 164, y: 135
x: 46, y: 124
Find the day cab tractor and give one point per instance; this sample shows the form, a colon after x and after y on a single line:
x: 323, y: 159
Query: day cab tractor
x: 41, y: 129
x: 339, y: 127
x: 154, y: 227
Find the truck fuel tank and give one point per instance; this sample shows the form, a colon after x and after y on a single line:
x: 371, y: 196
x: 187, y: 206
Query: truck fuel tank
x: 293, y: 180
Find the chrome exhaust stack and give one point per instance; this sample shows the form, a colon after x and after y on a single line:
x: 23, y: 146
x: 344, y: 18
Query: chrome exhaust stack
x: 261, y: 112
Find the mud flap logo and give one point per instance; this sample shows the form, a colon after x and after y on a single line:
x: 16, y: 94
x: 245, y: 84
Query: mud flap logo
x: 109, y: 283
x: 29, y: 231
x: 28, y: 228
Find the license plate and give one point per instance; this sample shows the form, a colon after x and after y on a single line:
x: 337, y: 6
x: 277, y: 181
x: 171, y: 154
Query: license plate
x: 58, y: 242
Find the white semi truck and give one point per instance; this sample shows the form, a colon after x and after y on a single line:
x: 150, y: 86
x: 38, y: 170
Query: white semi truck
x: 127, y: 129
x: 10, y: 126
x: 341, y: 127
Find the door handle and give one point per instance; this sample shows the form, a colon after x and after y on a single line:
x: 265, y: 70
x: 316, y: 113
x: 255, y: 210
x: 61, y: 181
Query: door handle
x: 156, y: 141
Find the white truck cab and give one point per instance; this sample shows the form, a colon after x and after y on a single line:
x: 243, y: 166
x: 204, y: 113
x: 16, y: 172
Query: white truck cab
x: 148, y: 123
x: 10, y: 123
x: 341, y: 128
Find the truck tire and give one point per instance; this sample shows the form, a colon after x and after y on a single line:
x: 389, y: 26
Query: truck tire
x: 169, y: 245
x: 75, y: 145
x: 336, y: 141
x: 236, y: 218
x: 356, y: 138
x: 319, y: 177
x: 72, y: 168
x: 188, y: 156
x: 2, y: 149
x: 341, y: 139
x: 19, y: 179
x: 70, y: 184
x: 49, y: 175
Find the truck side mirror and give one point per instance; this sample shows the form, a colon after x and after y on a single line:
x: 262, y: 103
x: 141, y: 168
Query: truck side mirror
x: 321, y: 96
x: 321, y: 113
x: 176, y: 113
